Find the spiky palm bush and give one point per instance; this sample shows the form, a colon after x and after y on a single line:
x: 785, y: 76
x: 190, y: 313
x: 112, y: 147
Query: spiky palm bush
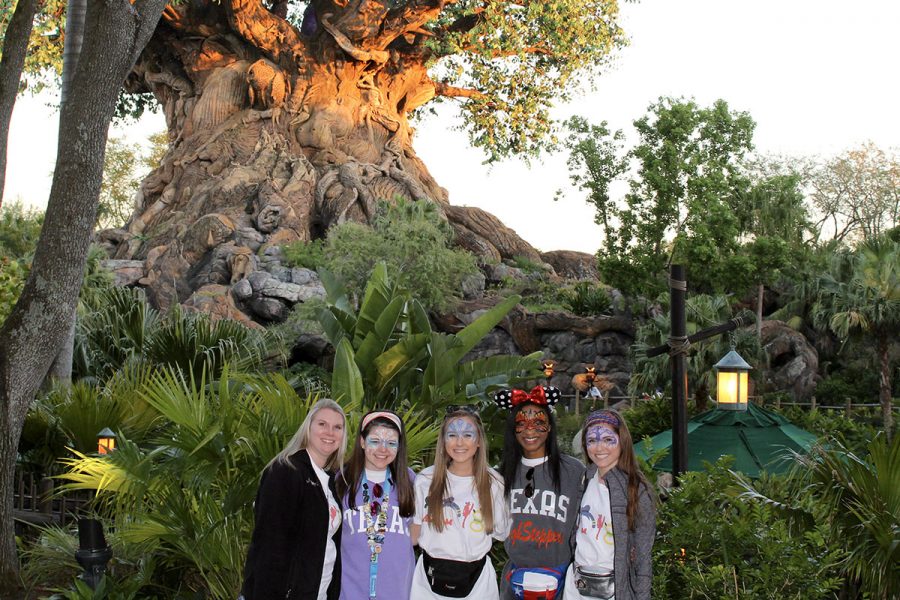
x: 120, y: 328
x: 859, y: 498
x: 182, y: 495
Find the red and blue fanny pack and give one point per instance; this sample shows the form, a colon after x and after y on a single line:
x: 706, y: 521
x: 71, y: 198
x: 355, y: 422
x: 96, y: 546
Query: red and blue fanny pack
x: 549, y: 586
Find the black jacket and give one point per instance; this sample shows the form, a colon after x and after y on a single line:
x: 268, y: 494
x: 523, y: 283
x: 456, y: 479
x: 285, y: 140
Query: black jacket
x: 287, y: 550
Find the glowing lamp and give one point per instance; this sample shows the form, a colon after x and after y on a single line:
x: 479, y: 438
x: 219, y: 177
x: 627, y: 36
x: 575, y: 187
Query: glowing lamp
x: 106, y: 441
x: 732, y: 379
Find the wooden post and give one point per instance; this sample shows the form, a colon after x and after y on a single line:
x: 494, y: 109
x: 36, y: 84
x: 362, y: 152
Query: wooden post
x: 677, y: 339
x: 812, y: 403
x: 849, y: 406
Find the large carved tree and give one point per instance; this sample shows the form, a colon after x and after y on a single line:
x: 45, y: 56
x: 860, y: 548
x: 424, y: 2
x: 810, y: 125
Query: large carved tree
x: 288, y: 118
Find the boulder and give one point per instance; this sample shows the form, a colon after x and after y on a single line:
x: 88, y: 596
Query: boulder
x: 478, y: 230
x: 125, y: 272
x: 215, y: 301
x: 793, y: 361
x: 572, y: 265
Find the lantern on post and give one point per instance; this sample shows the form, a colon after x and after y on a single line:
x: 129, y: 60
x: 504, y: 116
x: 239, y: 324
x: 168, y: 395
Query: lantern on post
x: 732, y: 382
x: 106, y: 441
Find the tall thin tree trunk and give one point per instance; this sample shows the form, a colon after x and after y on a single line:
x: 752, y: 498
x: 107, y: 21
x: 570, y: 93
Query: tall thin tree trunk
x: 759, y: 311
x: 15, y: 47
x: 884, y: 392
x: 61, y: 369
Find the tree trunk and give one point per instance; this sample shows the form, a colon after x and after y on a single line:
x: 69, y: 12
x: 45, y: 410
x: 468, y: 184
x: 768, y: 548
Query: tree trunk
x: 15, y: 46
x: 61, y: 369
x: 276, y: 135
x: 118, y: 30
x: 759, y: 310
x: 884, y: 391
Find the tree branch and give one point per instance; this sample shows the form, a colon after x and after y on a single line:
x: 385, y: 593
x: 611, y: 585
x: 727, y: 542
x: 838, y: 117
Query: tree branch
x: 268, y: 32
x: 450, y: 91
x: 409, y: 17
x: 378, y: 56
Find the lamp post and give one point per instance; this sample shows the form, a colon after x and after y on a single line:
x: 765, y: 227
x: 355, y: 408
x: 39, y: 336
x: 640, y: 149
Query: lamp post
x: 732, y: 379
x: 93, y: 552
x: 106, y: 441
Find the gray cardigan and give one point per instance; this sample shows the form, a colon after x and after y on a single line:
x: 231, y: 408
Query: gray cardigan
x: 633, y: 560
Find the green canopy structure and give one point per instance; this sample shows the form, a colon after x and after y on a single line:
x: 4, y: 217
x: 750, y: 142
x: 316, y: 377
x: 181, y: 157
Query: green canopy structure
x: 758, y: 440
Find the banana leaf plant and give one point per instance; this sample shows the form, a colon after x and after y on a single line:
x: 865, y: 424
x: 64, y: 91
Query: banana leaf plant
x: 387, y: 355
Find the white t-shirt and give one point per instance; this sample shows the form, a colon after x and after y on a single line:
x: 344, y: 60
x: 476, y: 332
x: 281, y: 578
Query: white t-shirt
x: 334, y: 523
x: 594, y: 546
x: 463, y: 538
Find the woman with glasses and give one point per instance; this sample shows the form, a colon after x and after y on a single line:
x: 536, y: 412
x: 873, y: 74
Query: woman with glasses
x: 459, y: 512
x: 542, y: 489
x: 294, y: 549
x: 617, y: 516
x: 376, y: 488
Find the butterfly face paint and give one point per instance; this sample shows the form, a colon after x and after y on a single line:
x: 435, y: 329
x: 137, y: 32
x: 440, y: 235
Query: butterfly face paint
x: 461, y: 440
x: 602, y: 447
x: 532, y: 430
x: 602, y: 436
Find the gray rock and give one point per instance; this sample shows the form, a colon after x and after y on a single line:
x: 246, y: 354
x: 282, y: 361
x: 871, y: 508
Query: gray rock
x: 279, y: 272
x: 258, y: 280
x: 302, y: 276
x: 473, y: 286
x: 242, y: 289
x: 248, y: 236
x: 268, y: 309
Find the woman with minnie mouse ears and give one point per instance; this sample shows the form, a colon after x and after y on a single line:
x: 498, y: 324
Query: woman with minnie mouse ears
x: 543, y: 491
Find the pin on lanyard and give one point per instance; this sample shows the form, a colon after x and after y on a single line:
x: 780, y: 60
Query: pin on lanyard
x: 373, y: 562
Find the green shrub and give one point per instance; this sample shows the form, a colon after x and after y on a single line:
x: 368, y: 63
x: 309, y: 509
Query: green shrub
x: 309, y: 255
x: 412, y: 238
x: 588, y: 299
x: 854, y: 432
x: 713, y: 543
x: 19, y: 230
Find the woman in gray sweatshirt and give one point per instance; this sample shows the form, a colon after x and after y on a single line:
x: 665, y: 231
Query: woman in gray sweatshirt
x: 617, y: 517
x: 543, y: 489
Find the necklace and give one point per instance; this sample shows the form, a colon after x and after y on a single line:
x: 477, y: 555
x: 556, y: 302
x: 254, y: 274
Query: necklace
x: 375, y: 507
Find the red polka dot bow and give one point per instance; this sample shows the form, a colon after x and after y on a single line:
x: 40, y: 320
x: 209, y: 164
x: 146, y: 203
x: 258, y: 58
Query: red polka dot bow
x: 543, y: 395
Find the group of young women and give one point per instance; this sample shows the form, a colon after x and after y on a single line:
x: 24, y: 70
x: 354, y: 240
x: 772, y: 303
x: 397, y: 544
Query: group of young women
x: 327, y: 529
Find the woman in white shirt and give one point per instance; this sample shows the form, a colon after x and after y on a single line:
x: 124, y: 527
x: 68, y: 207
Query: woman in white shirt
x: 460, y: 510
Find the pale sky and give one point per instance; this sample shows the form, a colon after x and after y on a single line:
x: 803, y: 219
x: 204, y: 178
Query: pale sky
x: 817, y: 76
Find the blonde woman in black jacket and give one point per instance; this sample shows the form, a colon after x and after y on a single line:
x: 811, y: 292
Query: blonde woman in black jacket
x: 294, y: 550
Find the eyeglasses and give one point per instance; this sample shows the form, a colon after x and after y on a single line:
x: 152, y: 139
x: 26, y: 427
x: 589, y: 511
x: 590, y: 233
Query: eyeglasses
x: 373, y: 443
x: 529, y: 487
x: 466, y: 408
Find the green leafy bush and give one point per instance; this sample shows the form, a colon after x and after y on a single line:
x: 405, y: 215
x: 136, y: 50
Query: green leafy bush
x: 19, y: 230
x: 713, y: 543
x: 588, y: 299
x: 414, y: 241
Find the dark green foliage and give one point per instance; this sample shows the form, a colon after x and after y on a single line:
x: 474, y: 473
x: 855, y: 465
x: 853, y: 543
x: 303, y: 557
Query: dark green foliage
x: 855, y: 432
x: 713, y: 543
x: 411, y: 238
x: 589, y: 299
x: 19, y: 230
x: 309, y: 255
x: 652, y: 416
x: 859, y: 384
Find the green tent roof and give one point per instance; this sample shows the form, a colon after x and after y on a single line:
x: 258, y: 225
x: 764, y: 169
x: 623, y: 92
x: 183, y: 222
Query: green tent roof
x: 757, y: 439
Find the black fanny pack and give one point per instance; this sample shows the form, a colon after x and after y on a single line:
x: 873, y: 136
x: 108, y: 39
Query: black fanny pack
x: 595, y: 585
x: 452, y: 578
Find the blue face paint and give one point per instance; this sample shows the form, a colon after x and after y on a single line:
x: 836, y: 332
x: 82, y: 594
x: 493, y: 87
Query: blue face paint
x: 461, y: 429
x: 601, y: 436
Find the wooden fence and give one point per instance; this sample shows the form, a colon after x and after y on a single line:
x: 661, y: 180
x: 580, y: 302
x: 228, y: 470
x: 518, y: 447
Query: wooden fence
x: 34, y: 501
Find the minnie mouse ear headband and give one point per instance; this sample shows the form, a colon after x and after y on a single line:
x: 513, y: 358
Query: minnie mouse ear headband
x: 383, y: 414
x: 542, y: 395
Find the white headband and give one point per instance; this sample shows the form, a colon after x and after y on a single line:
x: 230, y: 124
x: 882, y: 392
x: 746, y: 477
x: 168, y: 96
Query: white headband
x: 384, y: 415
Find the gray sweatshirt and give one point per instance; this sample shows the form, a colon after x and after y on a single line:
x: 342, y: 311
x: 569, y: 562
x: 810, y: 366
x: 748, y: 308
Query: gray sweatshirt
x: 633, y: 561
x: 543, y: 526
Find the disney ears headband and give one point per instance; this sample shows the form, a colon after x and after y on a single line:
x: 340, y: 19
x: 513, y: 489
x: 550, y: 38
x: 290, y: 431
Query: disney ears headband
x: 384, y: 415
x: 545, y: 395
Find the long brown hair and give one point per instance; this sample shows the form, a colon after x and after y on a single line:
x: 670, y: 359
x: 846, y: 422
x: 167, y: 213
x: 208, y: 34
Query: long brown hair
x: 483, y: 476
x: 627, y: 463
x: 347, y: 481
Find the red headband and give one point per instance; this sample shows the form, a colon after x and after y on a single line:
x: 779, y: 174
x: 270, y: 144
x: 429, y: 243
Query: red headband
x: 540, y: 395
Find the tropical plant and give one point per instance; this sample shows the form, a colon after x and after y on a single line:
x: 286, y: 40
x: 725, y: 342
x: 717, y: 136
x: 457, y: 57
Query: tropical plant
x: 714, y: 544
x: 19, y: 230
x: 860, y: 497
x: 861, y: 295
x: 121, y: 328
x: 388, y: 355
x: 182, y: 491
x: 702, y: 311
x: 412, y: 238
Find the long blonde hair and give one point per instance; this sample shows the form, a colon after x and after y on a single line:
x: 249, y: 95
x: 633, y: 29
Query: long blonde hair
x: 483, y: 477
x: 301, y: 438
